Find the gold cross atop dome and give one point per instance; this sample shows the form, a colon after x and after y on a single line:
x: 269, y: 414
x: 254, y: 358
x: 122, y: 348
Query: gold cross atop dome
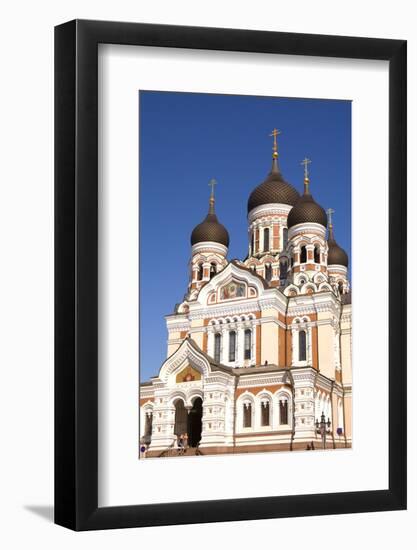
x: 212, y: 183
x: 305, y: 162
x: 330, y: 211
x: 275, y: 133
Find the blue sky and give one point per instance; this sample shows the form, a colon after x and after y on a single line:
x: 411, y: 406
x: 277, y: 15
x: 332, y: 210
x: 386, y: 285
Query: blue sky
x: 187, y: 139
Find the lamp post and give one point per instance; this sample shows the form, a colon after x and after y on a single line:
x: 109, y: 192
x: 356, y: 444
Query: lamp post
x: 323, y: 428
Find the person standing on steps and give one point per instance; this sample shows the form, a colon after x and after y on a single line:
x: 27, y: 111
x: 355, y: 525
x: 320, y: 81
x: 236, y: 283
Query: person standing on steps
x: 180, y: 444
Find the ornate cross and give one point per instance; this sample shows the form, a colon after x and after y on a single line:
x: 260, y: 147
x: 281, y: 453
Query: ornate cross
x: 212, y: 183
x: 275, y: 133
x: 306, y: 162
x: 330, y: 211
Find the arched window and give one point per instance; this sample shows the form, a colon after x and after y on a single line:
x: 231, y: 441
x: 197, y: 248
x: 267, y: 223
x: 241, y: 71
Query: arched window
x: 248, y: 344
x: 148, y: 424
x: 232, y: 345
x: 302, y: 347
x: 247, y: 414
x: 213, y: 269
x: 265, y: 413
x: 317, y: 254
x: 268, y: 272
x: 252, y: 245
x: 283, y: 410
x: 200, y: 272
x: 340, y: 286
x: 283, y: 267
x: 284, y: 237
x: 303, y: 255
x: 217, y: 346
x: 266, y: 239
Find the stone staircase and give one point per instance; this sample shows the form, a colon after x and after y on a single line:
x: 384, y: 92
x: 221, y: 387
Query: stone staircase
x: 174, y: 451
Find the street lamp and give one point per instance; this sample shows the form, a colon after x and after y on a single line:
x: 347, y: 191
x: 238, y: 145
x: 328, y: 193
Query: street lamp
x: 323, y: 428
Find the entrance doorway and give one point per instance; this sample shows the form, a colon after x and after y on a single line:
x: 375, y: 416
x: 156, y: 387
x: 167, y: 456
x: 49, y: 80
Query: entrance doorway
x: 194, y: 422
x: 189, y: 421
x: 181, y: 418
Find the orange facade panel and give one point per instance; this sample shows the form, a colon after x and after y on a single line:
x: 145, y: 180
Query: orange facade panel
x: 258, y: 344
x: 146, y: 400
x: 281, y: 347
x: 275, y: 236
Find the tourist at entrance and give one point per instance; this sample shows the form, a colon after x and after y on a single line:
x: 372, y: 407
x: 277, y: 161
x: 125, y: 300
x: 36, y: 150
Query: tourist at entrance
x: 180, y: 444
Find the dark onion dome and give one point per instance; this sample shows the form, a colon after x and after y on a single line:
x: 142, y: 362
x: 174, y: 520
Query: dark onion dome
x: 306, y: 210
x: 273, y: 190
x: 210, y: 229
x: 336, y: 254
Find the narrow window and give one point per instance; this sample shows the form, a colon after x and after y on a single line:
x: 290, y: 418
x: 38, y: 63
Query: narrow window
x: 213, y: 270
x: 303, y: 255
x: 268, y: 272
x: 284, y: 237
x: 283, y: 270
x: 292, y: 260
x: 200, y: 272
x: 232, y: 345
x: 247, y: 415
x: 266, y: 239
x: 283, y: 411
x: 248, y: 343
x: 217, y: 344
x: 148, y: 424
x: 302, y: 351
x: 316, y: 254
x: 252, y: 246
x: 265, y: 413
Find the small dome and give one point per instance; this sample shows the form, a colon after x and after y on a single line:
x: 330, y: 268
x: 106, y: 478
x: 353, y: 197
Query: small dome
x: 210, y: 229
x: 307, y: 210
x: 336, y: 254
x: 273, y: 190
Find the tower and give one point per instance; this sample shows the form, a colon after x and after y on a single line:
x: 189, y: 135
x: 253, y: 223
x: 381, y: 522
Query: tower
x: 209, y: 245
x: 307, y: 224
x: 268, y: 208
x: 337, y: 260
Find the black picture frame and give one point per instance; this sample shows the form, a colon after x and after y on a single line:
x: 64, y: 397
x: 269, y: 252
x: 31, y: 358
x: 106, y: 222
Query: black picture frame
x: 76, y: 272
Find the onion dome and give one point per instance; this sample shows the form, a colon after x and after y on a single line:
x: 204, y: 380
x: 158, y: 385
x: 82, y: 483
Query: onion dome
x: 336, y: 255
x: 306, y: 210
x: 210, y: 229
x: 274, y: 189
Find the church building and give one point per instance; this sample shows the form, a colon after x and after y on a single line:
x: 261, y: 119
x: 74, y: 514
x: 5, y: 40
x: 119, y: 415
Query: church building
x: 259, y: 350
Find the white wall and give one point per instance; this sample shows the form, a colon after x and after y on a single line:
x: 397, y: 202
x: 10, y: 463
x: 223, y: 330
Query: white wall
x: 26, y: 274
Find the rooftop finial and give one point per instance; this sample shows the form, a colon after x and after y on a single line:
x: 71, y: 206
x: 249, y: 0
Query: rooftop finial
x: 212, y: 183
x: 329, y: 212
x: 305, y: 162
x: 275, y: 133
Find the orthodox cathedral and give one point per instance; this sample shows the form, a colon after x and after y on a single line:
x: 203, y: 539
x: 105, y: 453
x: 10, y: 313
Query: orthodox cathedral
x: 259, y: 350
